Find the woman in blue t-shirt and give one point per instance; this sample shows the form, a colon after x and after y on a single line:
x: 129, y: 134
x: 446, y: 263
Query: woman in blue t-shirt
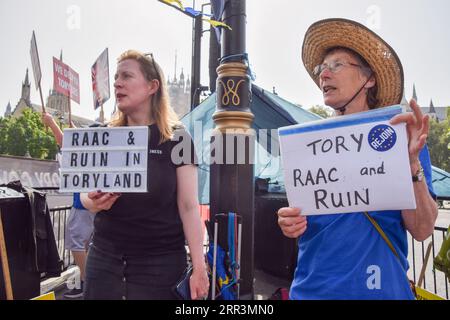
x: 344, y: 256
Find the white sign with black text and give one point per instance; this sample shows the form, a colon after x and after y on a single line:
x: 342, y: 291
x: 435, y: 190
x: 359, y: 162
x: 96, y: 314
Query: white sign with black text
x: 106, y: 159
x: 348, y: 164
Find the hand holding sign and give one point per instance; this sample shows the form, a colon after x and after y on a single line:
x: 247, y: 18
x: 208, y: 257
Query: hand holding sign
x: 417, y: 126
x: 47, y: 119
x: 291, y: 222
x: 348, y: 164
x: 106, y: 159
x: 102, y: 200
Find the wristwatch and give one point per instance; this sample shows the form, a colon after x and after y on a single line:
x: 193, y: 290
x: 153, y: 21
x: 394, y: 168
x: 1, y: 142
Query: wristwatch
x: 419, y: 175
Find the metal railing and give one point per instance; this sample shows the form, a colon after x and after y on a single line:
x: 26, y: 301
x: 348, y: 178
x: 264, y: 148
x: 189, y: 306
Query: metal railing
x: 59, y: 216
x: 434, y: 280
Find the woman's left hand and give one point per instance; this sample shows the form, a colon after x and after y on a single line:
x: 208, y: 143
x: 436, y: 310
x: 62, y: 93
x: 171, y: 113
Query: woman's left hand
x: 199, y: 283
x: 417, y: 126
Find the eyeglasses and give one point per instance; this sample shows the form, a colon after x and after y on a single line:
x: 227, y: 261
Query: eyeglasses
x: 334, y: 67
x: 153, y: 62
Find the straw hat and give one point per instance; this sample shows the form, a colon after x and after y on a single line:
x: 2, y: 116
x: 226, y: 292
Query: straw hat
x: 326, y: 34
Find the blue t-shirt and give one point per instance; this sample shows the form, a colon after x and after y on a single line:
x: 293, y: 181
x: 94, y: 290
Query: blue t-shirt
x: 343, y: 256
x: 77, y: 201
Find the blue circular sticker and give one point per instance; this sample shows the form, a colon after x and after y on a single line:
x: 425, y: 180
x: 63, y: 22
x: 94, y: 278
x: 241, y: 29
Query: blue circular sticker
x: 382, y: 138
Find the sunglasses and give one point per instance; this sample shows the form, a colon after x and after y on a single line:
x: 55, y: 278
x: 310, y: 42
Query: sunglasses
x: 150, y: 56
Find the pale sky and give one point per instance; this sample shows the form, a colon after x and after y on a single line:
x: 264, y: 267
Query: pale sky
x: 417, y: 29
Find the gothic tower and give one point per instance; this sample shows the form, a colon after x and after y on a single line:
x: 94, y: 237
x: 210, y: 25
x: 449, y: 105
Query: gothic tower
x: 8, y: 111
x: 26, y: 89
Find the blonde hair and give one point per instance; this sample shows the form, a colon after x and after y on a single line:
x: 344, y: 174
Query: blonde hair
x: 160, y: 109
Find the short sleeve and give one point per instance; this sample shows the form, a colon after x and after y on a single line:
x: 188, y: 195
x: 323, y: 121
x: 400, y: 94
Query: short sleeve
x: 77, y: 204
x: 183, y: 150
x: 424, y: 158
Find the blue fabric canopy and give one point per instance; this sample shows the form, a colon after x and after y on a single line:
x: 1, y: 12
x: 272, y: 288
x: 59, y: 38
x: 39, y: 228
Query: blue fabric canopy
x: 441, y: 183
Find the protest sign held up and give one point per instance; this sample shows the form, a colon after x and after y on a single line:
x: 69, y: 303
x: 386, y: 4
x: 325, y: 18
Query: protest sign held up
x: 348, y: 164
x: 106, y: 159
x: 66, y: 80
x: 100, y: 79
x: 35, y: 61
x: 36, y: 67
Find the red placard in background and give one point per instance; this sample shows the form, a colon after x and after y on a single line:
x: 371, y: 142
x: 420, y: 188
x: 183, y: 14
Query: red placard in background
x: 65, y: 80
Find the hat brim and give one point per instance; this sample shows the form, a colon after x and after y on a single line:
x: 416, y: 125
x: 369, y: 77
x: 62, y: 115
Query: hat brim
x: 326, y: 34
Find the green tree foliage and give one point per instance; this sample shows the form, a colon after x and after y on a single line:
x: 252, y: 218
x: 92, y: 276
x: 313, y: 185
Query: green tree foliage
x: 27, y: 133
x: 4, y: 123
x: 439, y: 143
x: 322, y: 111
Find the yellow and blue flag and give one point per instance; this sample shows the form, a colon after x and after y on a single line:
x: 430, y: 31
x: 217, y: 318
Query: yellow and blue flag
x: 178, y: 2
x: 218, y: 6
x: 216, y: 24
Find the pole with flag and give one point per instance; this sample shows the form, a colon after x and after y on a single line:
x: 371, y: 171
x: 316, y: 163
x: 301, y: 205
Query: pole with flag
x: 231, y: 179
x: 199, y: 18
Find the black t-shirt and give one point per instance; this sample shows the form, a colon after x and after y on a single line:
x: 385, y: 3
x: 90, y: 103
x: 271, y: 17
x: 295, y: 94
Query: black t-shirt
x: 149, y: 223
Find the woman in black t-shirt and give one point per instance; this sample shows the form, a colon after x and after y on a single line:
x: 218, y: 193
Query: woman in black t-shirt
x: 138, y: 245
